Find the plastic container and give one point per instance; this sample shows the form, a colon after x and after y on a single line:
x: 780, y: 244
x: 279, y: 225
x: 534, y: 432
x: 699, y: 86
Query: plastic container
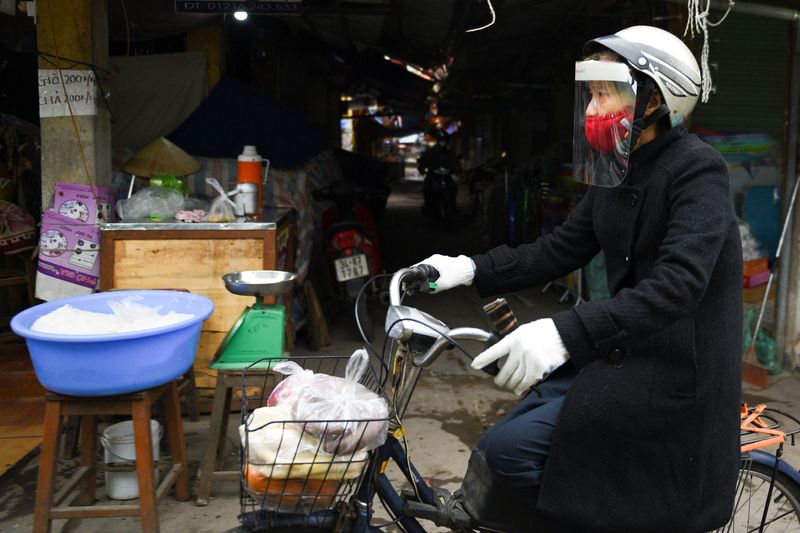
x: 249, y: 169
x: 103, y: 365
x: 119, y: 446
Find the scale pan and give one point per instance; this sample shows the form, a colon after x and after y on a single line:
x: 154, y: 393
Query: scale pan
x: 259, y: 282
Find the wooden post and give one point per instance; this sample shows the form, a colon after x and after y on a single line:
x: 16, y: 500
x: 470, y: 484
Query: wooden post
x: 209, y: 39
x: 73, y: 34
x: 318, y: 332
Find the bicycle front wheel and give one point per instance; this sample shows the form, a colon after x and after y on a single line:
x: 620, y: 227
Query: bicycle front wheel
x: 783, y: 513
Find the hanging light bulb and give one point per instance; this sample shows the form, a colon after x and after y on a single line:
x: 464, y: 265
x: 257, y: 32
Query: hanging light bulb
x: 240, y: 15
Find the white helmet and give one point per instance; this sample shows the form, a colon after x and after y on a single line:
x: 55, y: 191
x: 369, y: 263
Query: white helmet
x: 664, y: 58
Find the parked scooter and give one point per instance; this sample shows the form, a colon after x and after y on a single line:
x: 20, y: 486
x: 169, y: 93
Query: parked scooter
x: 351, y: 242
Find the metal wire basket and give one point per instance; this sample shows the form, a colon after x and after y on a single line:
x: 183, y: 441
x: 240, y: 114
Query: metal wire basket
x: 300, y: 472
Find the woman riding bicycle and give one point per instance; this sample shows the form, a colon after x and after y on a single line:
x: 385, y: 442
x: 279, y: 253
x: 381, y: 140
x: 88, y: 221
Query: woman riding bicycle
x: 634, y: 421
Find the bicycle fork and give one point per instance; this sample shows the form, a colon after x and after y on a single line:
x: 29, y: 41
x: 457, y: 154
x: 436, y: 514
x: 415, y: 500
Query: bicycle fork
x: 376, y: 482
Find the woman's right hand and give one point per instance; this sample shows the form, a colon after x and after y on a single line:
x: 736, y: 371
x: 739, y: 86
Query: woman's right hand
x: 453, y: 271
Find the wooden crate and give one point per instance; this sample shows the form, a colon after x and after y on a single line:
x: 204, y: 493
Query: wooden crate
x: 195, y: 260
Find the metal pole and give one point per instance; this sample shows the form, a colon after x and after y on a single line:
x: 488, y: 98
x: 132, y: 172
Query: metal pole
x: 782, y: 302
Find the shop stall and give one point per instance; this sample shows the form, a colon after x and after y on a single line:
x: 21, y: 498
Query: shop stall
x: 194, y: 257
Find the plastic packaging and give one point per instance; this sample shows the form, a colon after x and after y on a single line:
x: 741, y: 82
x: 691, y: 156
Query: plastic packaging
x: 151, y: 203
x: 222, y: 209
x: 341, y: 412
x: 751, y: 248
x: 285, y: 469
x: 345, y: 400
x: 766, y: 348
x: 280, y: 449
x: 169, y: 181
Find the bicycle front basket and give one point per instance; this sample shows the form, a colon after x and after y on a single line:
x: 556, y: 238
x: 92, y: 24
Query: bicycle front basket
x: 302, y: 467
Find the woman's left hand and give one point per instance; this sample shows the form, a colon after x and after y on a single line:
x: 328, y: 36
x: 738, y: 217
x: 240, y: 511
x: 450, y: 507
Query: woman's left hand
x: 534, y: 350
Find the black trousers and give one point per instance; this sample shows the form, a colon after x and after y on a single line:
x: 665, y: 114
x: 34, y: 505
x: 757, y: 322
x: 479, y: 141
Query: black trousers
x: 516, y: 447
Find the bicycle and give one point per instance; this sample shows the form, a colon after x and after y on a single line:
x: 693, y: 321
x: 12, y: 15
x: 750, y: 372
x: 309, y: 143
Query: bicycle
x: 321, y: 491
x: 768, y: 488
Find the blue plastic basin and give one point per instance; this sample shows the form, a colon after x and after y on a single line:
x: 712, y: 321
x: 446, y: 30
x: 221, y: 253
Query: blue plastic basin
x: 103, y: 365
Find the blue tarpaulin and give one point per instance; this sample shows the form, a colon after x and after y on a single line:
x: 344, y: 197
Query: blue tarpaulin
x: 234, y: 115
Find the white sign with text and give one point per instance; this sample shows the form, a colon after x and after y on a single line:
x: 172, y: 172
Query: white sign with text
x: 67, y: 92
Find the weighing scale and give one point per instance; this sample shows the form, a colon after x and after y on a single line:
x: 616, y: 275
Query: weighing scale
x: 259, y: 331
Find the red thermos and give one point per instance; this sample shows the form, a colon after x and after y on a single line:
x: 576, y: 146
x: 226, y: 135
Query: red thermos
x: 250, y: 170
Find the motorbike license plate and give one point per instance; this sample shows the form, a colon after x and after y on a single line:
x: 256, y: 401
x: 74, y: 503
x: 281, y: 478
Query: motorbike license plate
x: 352, y: 267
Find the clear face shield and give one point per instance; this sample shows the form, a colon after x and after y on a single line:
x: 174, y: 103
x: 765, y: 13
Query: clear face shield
x: 605, y: 99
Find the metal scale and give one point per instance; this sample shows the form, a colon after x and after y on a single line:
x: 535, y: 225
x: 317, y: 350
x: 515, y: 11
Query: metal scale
x: 259, y: 331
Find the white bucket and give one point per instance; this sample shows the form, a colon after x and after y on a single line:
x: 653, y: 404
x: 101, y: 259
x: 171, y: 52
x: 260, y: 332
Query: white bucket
x: 119, y: 446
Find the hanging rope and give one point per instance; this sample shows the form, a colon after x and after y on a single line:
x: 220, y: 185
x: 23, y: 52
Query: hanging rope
x: 698, y: 23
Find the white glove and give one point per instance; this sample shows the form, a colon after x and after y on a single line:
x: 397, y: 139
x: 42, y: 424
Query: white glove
x: 453, y: 271
x: 534, y: 350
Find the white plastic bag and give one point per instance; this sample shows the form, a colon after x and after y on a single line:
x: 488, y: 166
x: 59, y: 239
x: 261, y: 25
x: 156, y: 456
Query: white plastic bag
x: 222, y: 208
x: 151, y: 203
x: 287, y: 391
x: 281, y: 450
x: 342, y: 411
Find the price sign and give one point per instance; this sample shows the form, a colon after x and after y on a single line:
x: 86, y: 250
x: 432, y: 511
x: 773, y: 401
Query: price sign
x: 67, y: 92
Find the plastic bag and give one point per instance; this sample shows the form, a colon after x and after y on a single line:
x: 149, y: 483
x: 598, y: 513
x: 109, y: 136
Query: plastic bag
x: 766, y: 348
x: 751, y: 248
x: 287, y: 391
x: 285, y: 468
x: 270, y: 440
x: 338, y: 409
x: 151, y: 203
x: 281, y: 449
x: 343, y: 407
x: 222, y: 208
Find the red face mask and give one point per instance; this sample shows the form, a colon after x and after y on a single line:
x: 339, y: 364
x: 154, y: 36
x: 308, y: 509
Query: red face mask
x: 603, y: 131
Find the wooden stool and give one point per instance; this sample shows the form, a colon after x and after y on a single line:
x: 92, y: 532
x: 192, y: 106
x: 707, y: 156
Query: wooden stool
x: 214, y: 456
x: 138, y: 406
x: 187, y: 391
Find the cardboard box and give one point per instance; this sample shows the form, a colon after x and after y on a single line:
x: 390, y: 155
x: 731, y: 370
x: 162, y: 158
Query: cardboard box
x: 69, y: 251
x: 84, y: 204
x: 759, y: 278
x: 754, y: 266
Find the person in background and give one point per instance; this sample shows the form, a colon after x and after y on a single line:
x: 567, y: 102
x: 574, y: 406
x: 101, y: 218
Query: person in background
x: 438, y: 164
x: 633, y: 422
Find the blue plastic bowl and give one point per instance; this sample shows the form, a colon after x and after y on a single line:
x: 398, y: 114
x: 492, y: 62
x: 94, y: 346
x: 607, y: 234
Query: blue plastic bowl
x: 103, y: 365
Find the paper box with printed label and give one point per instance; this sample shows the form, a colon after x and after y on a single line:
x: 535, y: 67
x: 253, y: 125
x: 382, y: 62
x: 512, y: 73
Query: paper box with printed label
x: 69, y: 251
x: 84, y: 204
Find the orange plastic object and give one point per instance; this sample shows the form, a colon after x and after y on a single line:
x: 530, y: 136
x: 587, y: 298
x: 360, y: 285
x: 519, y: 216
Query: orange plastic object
x: 288, y: 493
x: 752, y: 423
x: 249, y: 172
x: 754, y: 266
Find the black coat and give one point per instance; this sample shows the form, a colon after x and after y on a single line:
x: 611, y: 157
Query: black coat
x: 648, y: 438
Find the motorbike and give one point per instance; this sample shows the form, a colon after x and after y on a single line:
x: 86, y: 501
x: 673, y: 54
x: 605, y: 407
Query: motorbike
x: 352, y: 243
x: 440, y: 192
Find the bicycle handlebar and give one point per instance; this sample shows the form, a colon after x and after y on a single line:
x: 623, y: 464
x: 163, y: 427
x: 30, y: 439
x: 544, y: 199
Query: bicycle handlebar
x: 420, y: 274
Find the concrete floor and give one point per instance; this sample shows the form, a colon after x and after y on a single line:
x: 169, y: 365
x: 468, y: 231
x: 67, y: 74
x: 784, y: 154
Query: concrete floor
x: 451, y: 407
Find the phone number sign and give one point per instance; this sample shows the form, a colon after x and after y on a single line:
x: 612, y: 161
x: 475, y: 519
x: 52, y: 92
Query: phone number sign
x: 253, y: 7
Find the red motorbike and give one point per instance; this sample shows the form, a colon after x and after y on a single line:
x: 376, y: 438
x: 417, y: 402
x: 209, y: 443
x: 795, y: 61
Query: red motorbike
x: 352, y: 243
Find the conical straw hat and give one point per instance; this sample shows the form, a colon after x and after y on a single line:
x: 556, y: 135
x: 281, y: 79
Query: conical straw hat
x: 161, y: 157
